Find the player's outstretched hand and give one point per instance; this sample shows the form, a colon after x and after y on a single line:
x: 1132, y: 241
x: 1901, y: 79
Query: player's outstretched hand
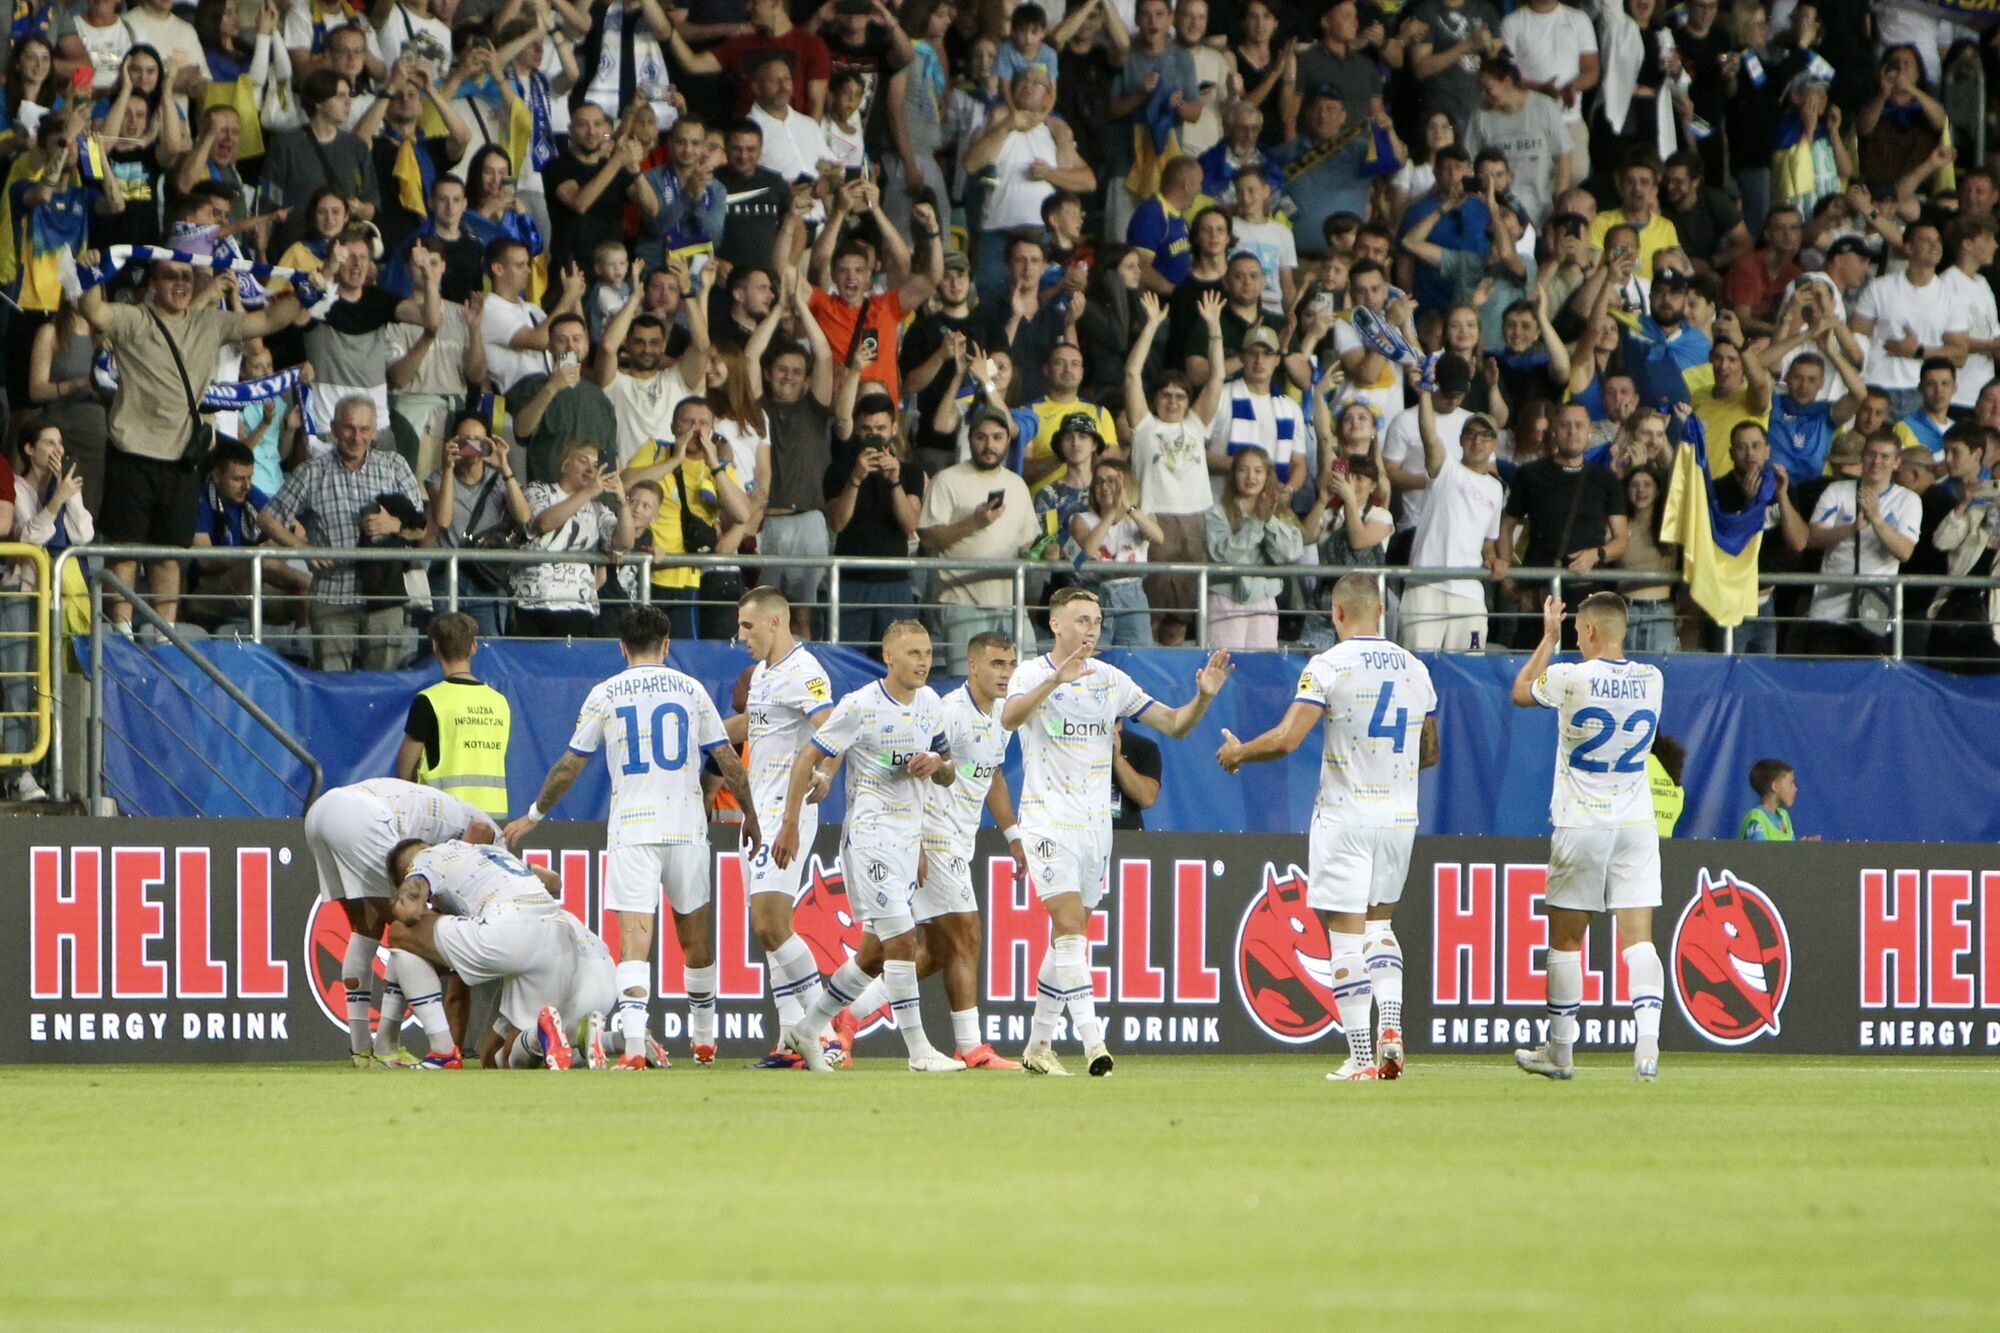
x: 516, y: 831
x: 1211, y: 678
x: 1552, y: 620
x: 923, y: 764
x: 785, y: 848
x: 1229, y: 752
x: 1073, y: 667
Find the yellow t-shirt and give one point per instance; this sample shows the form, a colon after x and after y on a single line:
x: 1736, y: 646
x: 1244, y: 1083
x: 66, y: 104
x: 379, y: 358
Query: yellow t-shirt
x: 1655, y: 236
x: 1719, y: 416
x: 699, y: 483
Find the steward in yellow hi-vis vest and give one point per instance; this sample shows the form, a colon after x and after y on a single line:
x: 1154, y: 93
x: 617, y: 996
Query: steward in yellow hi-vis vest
x: 456, y: 736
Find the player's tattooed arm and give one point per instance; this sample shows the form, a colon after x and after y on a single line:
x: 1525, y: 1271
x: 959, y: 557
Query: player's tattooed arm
x: 738, y: 782
x: 1427, y: 743
x: 554, y: 787
x: 407, y: 906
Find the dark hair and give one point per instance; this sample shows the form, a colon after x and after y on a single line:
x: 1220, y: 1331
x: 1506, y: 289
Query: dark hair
x: 319, y: 86
x: 1501, y: 67
x: 874, y: 405
x: 742, y: 125
x: 475, y: 173
x: 1659, y: 495
x: 1671, y: 754
x: 452, y: 635
x: 396, y: 854
x: 1486, y: 155
x: 465, y: 414
x: 1689, y: 161
x: 739, y: 277
x: 1027, y: 14
x: 497, y: 249
x: 1764, y: 775
x: 988, y: 639
x: 568, y: 317
x: 644, y: 628
x: 230, y: 453
x: 1931, y: 363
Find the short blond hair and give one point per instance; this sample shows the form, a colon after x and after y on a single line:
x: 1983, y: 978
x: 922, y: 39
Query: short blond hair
x: 1606, y: 610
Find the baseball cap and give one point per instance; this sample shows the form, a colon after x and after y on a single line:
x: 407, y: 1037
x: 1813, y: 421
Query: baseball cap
x: 1845, y: 449
x: 1081, y: 423
x: 1483, y: 422
x: 957, y: 261
x: 980, y: 416
x: 1453, y: 375
x: 1670, y: 277
x: 1847, y: 245
x: 1263, y: 336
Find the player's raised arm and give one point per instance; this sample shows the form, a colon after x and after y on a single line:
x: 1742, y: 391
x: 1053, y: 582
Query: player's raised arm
x: 1279, y: 741
x: 1022, y: 706
x: 1208, y: 682
x: 554, y: 787
x: 738, y: 781
x: 1538, y: 661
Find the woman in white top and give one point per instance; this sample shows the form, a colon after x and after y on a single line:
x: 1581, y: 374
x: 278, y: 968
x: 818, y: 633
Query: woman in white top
x: 1419, y: 174
x: 101, y: 28
x: 1170, y: 461
x: 1115, y: 528
x: 46, y: 511
x: 843, y: 125
x: 559, y: 599
x: 1031, y: 158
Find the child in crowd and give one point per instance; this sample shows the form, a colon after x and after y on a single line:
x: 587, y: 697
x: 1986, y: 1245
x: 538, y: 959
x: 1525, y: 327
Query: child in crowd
x: 610, y: 286
x: 1770, y: 820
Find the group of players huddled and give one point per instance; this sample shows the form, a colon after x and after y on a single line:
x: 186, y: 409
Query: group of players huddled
x: 436, y: 881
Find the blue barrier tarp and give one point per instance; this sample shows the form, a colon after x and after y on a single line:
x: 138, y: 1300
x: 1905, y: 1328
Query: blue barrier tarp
x: 1884, y: 750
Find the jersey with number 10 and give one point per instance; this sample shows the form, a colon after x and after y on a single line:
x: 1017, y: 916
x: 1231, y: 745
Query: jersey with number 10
x: 654, y: 724
x: 1606, y: 714
x: 1376, y: 696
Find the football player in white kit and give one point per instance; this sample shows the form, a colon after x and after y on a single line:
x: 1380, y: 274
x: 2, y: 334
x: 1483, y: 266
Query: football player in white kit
x: 1604, y: 855
x: 490, y: 917
x: 947, y: 909
x: 790, y: 695
x: 350, y: 831
x: 1381, y: 728
x: 891, y: 735
x: 655, y: 723
x: 1065, y: 705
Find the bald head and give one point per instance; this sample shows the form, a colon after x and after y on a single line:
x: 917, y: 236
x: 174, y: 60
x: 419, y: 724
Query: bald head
x: 1357, y: 605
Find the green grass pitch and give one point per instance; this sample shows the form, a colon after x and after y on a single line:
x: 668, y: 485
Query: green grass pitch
x: 1185, y: 1192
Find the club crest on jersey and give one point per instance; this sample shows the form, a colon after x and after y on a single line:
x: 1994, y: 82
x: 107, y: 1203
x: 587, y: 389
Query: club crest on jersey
x: 1732, y: 961
x: 1284, y: 961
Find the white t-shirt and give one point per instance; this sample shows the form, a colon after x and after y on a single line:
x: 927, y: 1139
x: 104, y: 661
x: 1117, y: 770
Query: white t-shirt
x: 655, y: 724
x: 1385, y: 395
x: 1463, y: 514
x: 1170, y: 460
x: 173, y: 37
x: 1929, y: 311
x: 645, y: 407
x: 404, y: 26
x: 106, y: 48
x: 1975, y: 296
x: 563, y: 585
x: 499, y: 321
x: 1902, y: 512
x: 1066, y: 744
x: 793, y: 147
x: 1550, y: 47
x: 424, y: 812
x: 978, y: 749
x: 1122, y: 542
x: 1403, y: 445
x: 1376, y: 697
x: 879, y: 736
x: 1276, y: 249
x: 480, y: 881
x: 1606, y: 714
x: 785, y: 697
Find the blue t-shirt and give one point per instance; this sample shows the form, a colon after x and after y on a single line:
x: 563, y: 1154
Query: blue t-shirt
x: 1800, y: 435
x: 1657, y: 363
x: 1323, y: 183
x: 1010, y: 61
x: 1464, y: 228
x: 230, y: 524
x: 1158, y: 228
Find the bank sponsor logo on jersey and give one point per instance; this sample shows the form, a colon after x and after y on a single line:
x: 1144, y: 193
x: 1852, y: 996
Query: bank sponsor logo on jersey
x: 1284, y: 961
x: 1732, y: 961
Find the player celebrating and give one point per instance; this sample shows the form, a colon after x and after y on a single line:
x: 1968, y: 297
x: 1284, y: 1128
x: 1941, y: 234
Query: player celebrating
x: 946, y: 907
x: 790, y: 694
x: 657, y: 723
x: 1065, y: 706
x: 495, y: 919
x: 893, y: 732
x: 1373, y: 695
x: 1605, y: 853
x: 350, y: 831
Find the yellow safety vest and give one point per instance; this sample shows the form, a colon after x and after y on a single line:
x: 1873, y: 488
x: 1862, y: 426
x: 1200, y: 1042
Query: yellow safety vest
x: 1667, y: 798
x: 473, y: 722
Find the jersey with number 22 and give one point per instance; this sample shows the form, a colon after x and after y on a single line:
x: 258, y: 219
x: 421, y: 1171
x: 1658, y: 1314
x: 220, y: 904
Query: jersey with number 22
x: 1607, y: 712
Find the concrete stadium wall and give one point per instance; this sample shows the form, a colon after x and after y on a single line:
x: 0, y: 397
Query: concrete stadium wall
x: 197, y: 941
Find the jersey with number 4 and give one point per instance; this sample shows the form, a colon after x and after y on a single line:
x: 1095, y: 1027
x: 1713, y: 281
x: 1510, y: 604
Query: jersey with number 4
x: 878, y: 736
x: 654, y: 724
x: 785, y: 696
x: 1066, y: 745
x: 1376, y: 696
x: 978, y: 749
x: 1606, y: 714
x: 479, y: 881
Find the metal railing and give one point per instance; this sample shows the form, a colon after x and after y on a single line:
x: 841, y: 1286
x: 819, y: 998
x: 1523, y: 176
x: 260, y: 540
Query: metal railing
x: 30, y: 631
x: 1024, y: 577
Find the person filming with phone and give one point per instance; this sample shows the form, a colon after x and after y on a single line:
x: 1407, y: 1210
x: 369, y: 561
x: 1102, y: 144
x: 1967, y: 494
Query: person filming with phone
x: 476, y: 500
x: 978, y: 510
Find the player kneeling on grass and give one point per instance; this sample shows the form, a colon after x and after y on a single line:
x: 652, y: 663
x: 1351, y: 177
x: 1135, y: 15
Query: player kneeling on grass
x: 892, y: 736
x: 1066, y: 708
x: 490, y: 917
x: 655, y: 724
x: 946, y: 908
x: 1374, y: 696
x: 350, y: 832
x: 1605, y: 852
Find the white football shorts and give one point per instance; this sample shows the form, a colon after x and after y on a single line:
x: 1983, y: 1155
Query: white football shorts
x: 947, y: 886
x: 1354, y: 869
x: 529, y: 952
x: 635, y: 875
x: 1604, y: 869
x: 1068, y: 861
x: 881, y: 879
x: 764, y: 875
x: 351, y: 835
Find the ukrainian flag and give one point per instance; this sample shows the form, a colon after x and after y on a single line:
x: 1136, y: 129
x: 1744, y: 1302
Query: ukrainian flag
x: 1718, y: 551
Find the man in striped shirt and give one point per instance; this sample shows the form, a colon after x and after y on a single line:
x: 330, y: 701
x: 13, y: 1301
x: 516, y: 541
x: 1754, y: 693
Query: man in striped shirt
x: 1255, y: 412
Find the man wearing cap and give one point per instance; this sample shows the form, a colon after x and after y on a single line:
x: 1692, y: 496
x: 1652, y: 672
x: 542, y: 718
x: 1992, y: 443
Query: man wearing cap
x: 1254, y: 413
x: 1458, y: 527
x: 1639, y: 209
x: 977, y: 510
x: 1660, y: 345
x: 1847, y: 267
x: 1403, y: 443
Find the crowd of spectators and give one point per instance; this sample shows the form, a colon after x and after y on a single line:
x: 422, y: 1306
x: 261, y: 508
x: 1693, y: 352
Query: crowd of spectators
x: 1063, y: 281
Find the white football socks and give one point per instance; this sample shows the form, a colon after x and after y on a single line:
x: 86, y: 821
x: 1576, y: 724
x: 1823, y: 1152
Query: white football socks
x: 357, y: 968
x: 425, y: 995
x: 388, y: 1032
x: 1649, y: 982
x: 1352, y: 995
x: 841, y: 989
x: 1565, y: 996
x: 1048, y: 1004
x: 965, y: 1029
x: 872, y: 999
x: 795, y: 981
x: 899, y: 979
x: 633, y: 980
x: 701, y: 1005
x: 1073, y: 979
x: 1382, y: 954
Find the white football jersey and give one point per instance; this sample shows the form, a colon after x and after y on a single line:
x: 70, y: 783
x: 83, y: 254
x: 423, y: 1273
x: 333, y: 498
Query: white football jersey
x: 1066, y: 744
x: 1606, y: 714
x: 878, y: 735
x: 425, y: 812
x: 978, y: 749
x: 784, y: 699
x: 655, y: 725
x: 1376, y: 697
x: 479, y: 881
